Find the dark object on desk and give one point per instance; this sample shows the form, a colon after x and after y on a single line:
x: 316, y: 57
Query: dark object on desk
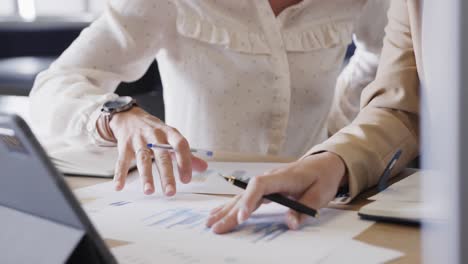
x: 401, y: 203
x: 42, y: 222
x: 383, y: 181
x: 277, y: 198
x: 408, y: 213
x: 388, y: 219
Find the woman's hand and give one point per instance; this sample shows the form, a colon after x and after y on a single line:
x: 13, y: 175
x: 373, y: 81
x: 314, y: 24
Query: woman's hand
x: 312, y: 181
x: 136, y: 128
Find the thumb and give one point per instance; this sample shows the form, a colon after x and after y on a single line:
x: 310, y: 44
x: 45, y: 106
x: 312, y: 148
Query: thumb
x: 312, y: 198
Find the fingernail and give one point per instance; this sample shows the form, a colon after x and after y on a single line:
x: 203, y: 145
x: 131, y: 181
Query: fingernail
x: 215, y: 228
x: 186, y: 179
x: 241, y: 216
x: 148, y: 189
x: 170, y: 190
x: 293, y: 222
x: 118, y: 186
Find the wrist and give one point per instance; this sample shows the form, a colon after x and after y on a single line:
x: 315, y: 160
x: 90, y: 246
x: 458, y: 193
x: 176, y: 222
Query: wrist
x: 119, y: 120
x: 342, y: 177
x: 338, y: 166
x: 109, y: 110
x: 332, y: 165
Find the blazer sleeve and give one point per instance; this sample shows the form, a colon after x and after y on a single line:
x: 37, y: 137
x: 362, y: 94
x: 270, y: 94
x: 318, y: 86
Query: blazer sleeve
x: 389, y: 116
x: 362, y: 66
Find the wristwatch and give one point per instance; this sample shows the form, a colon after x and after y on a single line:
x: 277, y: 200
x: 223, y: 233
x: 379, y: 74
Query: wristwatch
x: 121, y: 104
x: 108, y: 110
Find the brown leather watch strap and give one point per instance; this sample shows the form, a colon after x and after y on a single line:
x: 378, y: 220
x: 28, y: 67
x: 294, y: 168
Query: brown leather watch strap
x: 103, y: 128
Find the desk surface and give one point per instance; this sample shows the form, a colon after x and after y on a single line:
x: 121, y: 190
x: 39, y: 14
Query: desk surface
x: 406, y: 239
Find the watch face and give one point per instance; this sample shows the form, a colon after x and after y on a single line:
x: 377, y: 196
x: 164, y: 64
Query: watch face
x: 118, y: 104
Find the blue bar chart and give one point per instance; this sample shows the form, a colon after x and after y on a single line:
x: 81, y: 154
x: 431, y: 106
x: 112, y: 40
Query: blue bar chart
x: 186, y: 218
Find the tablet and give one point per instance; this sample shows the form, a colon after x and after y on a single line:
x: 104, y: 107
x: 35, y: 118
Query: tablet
x: 41, y: 220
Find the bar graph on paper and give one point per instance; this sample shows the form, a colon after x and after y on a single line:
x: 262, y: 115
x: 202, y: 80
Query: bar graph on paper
x: 190, y: 219
x: 172, y: 229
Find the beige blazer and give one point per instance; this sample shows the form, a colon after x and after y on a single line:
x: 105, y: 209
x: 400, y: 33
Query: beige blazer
x: 389, y: 116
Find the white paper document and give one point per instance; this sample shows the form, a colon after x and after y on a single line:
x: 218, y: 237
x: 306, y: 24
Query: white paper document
x: 148, y: 253
x: 208, y: 182
x: 178, y: 224
x: 172, y: 230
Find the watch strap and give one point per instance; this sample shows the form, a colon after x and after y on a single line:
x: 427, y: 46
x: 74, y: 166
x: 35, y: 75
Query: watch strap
x: 103, y: 128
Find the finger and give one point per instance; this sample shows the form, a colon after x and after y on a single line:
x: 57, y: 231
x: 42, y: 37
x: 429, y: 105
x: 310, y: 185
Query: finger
x: 182, y: 153
x: 122, y: 166
x: 274, y: 170
x: 164, y: 165
x: 256, y: 189
x: 144, y: 161
x: 199, y: 164
x: 227, y: 223
x: 312, y: 198
x: 216, y: 210
x: 230, y: 220
x: 221, y: 211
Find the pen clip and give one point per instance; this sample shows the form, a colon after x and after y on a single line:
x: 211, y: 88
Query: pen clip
x: 383, y: 182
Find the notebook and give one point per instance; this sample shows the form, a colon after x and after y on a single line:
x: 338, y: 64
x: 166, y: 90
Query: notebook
x: 90, y: 161
x: 393, y: 211
x: 401, y: 202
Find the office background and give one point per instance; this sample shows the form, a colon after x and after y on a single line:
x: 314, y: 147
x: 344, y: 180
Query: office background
x: 34, y: 33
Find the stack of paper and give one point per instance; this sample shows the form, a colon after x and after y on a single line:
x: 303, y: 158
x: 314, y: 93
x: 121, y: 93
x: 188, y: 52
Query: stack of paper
x: 146, y: 253
x: 86, y: 161
x: 98, y: 162
x: 172, y: 230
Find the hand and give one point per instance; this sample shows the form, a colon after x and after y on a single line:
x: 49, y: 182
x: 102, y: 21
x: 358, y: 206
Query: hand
x: 136, y: 128
x: 312, y: 181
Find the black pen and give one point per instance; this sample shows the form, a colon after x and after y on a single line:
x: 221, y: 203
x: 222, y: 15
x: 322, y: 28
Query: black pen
x: 383, y: 182
x: 277, y: 198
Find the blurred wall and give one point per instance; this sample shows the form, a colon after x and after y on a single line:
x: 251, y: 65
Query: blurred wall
x: 6, y: 7
x: 54, y: 7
